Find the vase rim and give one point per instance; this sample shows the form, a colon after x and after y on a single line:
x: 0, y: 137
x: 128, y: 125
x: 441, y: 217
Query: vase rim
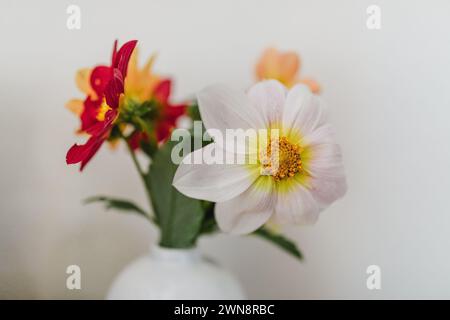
x: 175, y: 254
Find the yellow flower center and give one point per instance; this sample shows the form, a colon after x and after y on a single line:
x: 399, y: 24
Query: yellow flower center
x: 281, y: 159
x: 104, y: 108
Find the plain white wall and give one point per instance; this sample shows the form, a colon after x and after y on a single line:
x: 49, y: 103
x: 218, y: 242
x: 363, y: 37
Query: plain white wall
x: 389, y: 99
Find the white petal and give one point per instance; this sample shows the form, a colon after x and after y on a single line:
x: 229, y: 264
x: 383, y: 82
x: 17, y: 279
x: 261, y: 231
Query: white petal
x: 249, y: 211
x: 328, y: 182
x: 268, y: 97
x: 212, y: 182
x: 327, y: 191
x: 303, y: 110
x: 326, y: 161
x: 296, y: 206
x: 222, y: 108
x: 320, y: 135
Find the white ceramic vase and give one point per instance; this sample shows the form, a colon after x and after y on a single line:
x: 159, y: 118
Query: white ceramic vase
x: 174, y: 274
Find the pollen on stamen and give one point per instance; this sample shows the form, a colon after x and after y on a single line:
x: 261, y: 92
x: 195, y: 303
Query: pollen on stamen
x: 282, y: 159
x: 104, y: 108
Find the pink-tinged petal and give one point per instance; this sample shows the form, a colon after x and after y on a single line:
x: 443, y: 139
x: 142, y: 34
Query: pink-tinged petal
x: 268, y: 97
x: 100, y: 78
x: 328, y: 191
x: 223, y: 109
x: 248, y: 211
x: 296, y: 206
x: 303, y: 111
x: 162, y: 91
x: 114, y: 89
x: 212, y: 182
x: 321, y: 135
x: 326, y: 161
x: 122, y: 57
x: 325, y: 166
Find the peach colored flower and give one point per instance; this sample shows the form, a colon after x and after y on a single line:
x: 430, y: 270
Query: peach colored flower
x: 284, y: 67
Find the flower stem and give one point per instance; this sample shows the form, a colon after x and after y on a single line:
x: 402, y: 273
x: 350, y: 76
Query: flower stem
x: 135, y: 161
x: 141, y: 173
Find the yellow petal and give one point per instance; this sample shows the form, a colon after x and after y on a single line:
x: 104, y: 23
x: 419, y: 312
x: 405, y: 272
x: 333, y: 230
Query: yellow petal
x: 83, y: 81
x: 140, y: 83
x: 148, y: 66
x: 133, y: 71
x: 76, y: 106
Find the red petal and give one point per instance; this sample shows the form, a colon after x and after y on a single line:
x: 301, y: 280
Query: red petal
x: 162, y: 91
x: 89, y: 115
x: 83, y: 153
x: 114, y: 89
x: 122, y: 57
x: 101, y: 128
x: 100, y: 77
x: 136, y: 138
x: 163, y: 129
x: 94, y: 150
x: 174, y: 111
x: 114, y: 53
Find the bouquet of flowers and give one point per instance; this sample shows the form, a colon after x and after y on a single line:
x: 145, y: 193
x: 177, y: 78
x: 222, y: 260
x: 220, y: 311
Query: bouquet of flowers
x: 244, y: 162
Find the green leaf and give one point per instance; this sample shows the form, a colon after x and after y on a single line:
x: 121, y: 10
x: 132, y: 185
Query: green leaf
x: 119, y: 204
x: 179, y: 217
x: 209, y: 224
x: 280, y: 241
x: 194, y: 112
x: 149, y: 147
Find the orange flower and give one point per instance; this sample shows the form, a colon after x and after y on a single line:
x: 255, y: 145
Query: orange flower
x: 140, y: 83
x: 284, y: 67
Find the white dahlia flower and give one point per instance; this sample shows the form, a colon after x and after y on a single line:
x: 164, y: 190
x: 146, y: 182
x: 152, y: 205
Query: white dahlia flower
x: 306, y: 176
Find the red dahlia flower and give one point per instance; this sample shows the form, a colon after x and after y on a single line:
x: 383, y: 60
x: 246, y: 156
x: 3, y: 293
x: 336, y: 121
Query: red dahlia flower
x: 101, y: 107
x: 167, y: 115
